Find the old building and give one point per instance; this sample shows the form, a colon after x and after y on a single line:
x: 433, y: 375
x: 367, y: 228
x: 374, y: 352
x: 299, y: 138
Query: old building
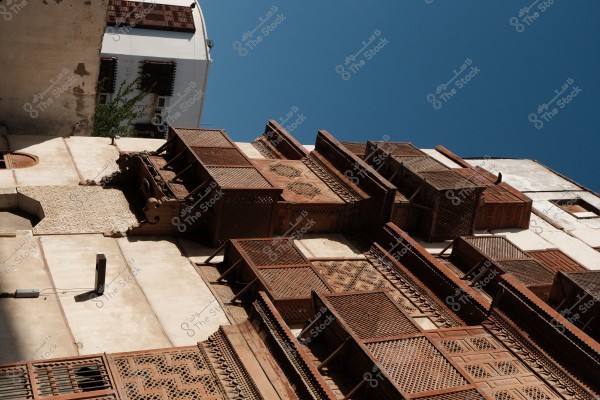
x: 45, y: 89
x: 165, y: 45
x: 265, y: 270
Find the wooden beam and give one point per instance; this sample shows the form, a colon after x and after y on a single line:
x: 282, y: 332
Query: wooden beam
x: 244, y: 290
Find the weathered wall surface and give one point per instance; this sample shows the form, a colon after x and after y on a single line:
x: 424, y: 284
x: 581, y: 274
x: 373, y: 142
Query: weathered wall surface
x: 579, y: 238
x: 49, y: 65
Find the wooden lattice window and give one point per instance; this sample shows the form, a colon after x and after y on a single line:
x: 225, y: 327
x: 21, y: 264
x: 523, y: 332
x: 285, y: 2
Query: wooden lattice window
x: 108, y: 75
x: 158, y: 77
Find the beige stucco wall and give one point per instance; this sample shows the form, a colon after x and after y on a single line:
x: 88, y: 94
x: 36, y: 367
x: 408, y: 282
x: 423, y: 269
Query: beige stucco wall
x: 49, y: 65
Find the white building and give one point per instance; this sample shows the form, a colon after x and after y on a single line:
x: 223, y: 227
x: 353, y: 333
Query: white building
x: 165, y: 43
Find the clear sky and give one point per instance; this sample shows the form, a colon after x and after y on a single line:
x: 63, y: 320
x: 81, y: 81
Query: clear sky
x: 522, y: 77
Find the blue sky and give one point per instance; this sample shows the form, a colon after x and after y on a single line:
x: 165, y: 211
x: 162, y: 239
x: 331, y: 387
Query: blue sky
x: 519, y: 71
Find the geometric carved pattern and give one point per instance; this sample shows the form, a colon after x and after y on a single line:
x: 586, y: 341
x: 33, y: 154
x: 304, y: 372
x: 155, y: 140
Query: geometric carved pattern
x: 537, y: 361
x: 285, y: 170
x: 415, y: 365
x: 471, y: 394
x: 80, y: 209
x: 304, y: 189
x: 536, y: 393
x: 354, y: 275
x: 490, y: 364
x: 369, y: 322
x: 168, y: 374
x: 482, y: 344
x: 477, y: 371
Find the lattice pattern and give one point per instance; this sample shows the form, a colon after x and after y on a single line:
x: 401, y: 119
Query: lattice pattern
x: 293, y: 282
x: 420, y: 164
x: 477, y: 371
x: 14, y: 383
x: 272, y: 252
x: 588, y: 281
x: 503, y: 395
x: 536, y: 359
x: 358, y: 148
x: 446, y: 180
x: 170, y: 374
x: 506, y: 368
x: 497, y: 248
x: 536, y: 393
x: 475, y: 344
x: 74, y: 376
x: 304, y: 189
x: 488, y: 360
x: 471, y: 394
x: 396, y: 148
x: 350, y: 276
x: 203, y: 137
x: 454, y: 219
x: 288, y: 171
x: 415, y: 365
x: 372, y: 315
x: 239, y: 178
x: 528, y: 272
x: 293, y: 312
x: 255, y: 211
x: 220, y: 156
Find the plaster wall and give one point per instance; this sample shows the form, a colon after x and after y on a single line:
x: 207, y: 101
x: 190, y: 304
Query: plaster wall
x: 50, y: 60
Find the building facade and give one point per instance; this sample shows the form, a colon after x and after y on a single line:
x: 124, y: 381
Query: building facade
x: 46, y: 90
x: 165, y: 45
x: 273, y: 270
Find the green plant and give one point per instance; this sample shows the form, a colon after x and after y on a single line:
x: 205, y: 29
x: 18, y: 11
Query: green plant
x: 114, y: 117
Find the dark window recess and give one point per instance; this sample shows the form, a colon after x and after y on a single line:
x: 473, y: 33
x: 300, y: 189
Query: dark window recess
x: 158, y: 77
x: 108, y: 74
x: 578, y: 208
